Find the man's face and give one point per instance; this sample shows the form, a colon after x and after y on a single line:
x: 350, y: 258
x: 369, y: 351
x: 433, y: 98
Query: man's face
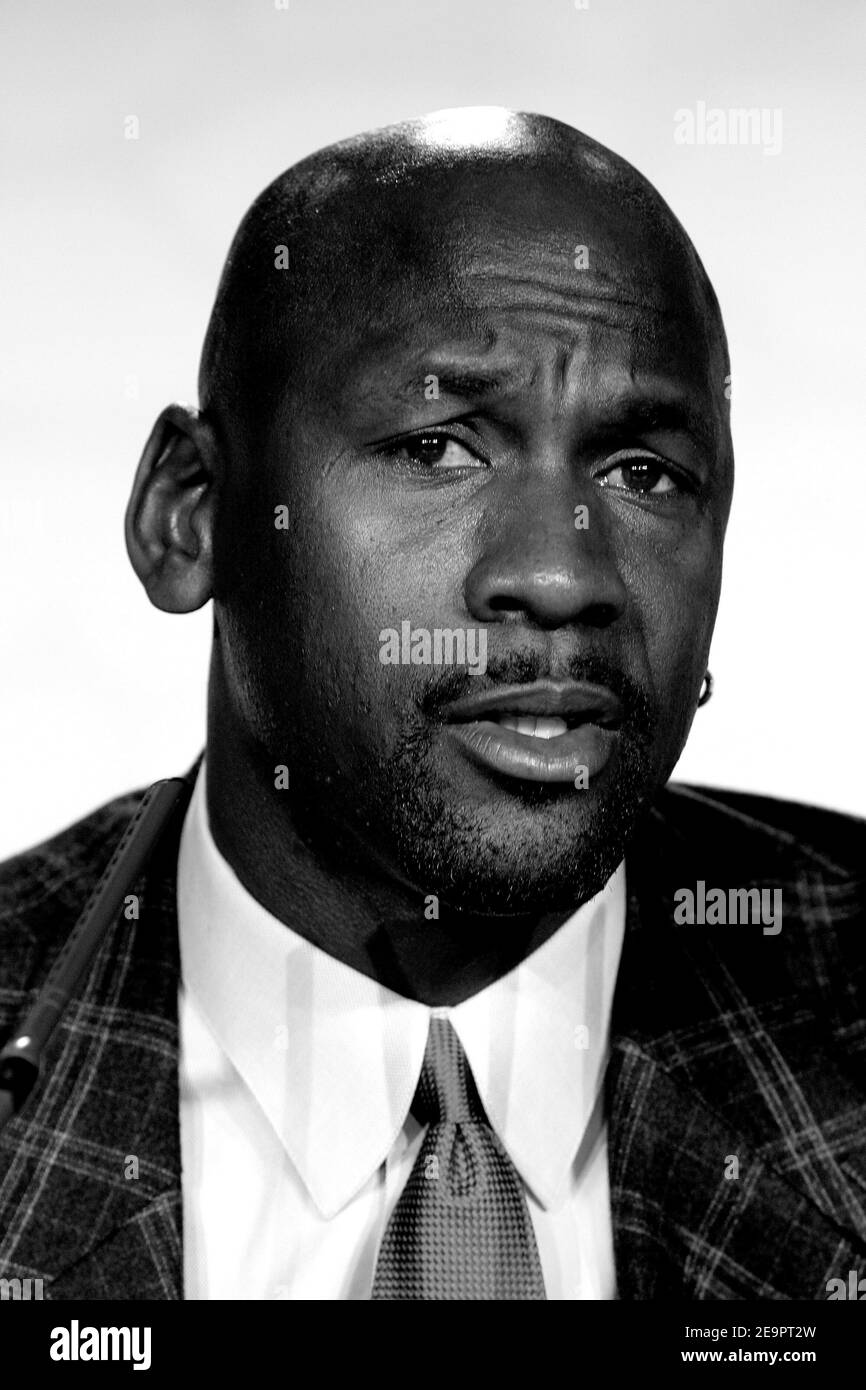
x: 509, y: 441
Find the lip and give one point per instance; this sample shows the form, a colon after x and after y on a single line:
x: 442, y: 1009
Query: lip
x: 534, y: 759
x: 573, y: 700
x: 595, y: 712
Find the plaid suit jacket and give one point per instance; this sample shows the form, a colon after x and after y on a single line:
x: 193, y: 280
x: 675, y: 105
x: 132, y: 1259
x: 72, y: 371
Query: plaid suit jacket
x: 736, y: 1091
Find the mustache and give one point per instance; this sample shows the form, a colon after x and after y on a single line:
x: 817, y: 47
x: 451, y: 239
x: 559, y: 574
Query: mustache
x: 526, y: 667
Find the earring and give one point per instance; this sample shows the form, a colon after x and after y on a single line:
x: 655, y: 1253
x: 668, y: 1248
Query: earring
x: 706, y: 689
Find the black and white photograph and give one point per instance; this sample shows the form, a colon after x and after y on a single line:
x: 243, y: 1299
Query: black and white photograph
x: 432, y: 814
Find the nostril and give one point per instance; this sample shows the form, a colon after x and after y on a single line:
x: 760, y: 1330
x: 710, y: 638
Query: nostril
x: 505, y: 603
x: 599, y: 615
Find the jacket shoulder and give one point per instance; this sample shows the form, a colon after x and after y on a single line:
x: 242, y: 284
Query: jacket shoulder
x: 808, y: 861
x: 42, y: 889
x: 764, y: 833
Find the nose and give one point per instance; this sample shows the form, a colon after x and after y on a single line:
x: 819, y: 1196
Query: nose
x: 548, y: 560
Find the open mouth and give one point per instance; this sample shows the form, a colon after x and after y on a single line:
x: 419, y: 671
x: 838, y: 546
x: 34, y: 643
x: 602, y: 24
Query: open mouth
x: 546, y: 732
x: 545, y: 726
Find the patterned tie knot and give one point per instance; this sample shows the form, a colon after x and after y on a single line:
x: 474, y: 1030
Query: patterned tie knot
x: 446, y: 1092
x: 461, y: 1228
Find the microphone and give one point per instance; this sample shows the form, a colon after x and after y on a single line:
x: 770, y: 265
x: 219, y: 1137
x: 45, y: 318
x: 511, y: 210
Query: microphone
x: 20, y: 1059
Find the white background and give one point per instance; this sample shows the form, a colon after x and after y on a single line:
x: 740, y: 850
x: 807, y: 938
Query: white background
x: 113, y: 247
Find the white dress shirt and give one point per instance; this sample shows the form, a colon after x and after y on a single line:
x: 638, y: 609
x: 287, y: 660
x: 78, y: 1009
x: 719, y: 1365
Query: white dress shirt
x: 297, y: 1073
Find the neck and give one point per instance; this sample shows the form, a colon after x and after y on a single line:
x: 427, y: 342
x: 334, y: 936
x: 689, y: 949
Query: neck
x: 360, y: 915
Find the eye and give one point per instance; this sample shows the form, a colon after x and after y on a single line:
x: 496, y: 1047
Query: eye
x: 642, y: 473
x: 433, y: 449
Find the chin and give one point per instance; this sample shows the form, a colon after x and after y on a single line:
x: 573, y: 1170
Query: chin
x: 511, y: 897
x: 547, y: 857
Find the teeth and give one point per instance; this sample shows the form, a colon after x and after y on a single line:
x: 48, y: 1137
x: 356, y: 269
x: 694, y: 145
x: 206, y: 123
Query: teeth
x: 552, y: 727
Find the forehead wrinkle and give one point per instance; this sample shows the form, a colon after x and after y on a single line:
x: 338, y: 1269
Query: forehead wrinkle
x: 480, y: 361
x: 649, y: 366
x: 563, y: 373
x: 604, y: 289
x: 631, y: 398
x: 466, y: 366
x: 527, y: 294
x: 566, y: 323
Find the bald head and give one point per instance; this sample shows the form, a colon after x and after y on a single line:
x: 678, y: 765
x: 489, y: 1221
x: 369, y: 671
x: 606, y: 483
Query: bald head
x: 350, y: 246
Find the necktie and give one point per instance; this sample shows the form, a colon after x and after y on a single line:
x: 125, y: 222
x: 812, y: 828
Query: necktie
x: 461, y: 1229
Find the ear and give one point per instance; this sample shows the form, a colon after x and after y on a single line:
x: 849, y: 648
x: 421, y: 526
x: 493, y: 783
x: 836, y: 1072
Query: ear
x: 170, y: 517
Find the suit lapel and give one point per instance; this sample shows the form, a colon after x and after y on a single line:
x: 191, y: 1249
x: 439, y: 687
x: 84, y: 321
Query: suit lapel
x: 91, y: 1197
x: 736, y: 1150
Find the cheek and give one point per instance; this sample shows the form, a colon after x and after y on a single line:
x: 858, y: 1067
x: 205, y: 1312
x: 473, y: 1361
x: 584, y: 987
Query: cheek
x: 339, y: 586
x: 675, y: 592
x: 310, y: 577
x: 383, y: 565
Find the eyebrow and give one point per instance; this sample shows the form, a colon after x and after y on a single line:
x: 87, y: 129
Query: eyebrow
x: 654, y: 413
x: 468, y: 384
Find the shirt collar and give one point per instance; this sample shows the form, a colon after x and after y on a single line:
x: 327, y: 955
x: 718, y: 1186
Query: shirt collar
x: 333, y: 1058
